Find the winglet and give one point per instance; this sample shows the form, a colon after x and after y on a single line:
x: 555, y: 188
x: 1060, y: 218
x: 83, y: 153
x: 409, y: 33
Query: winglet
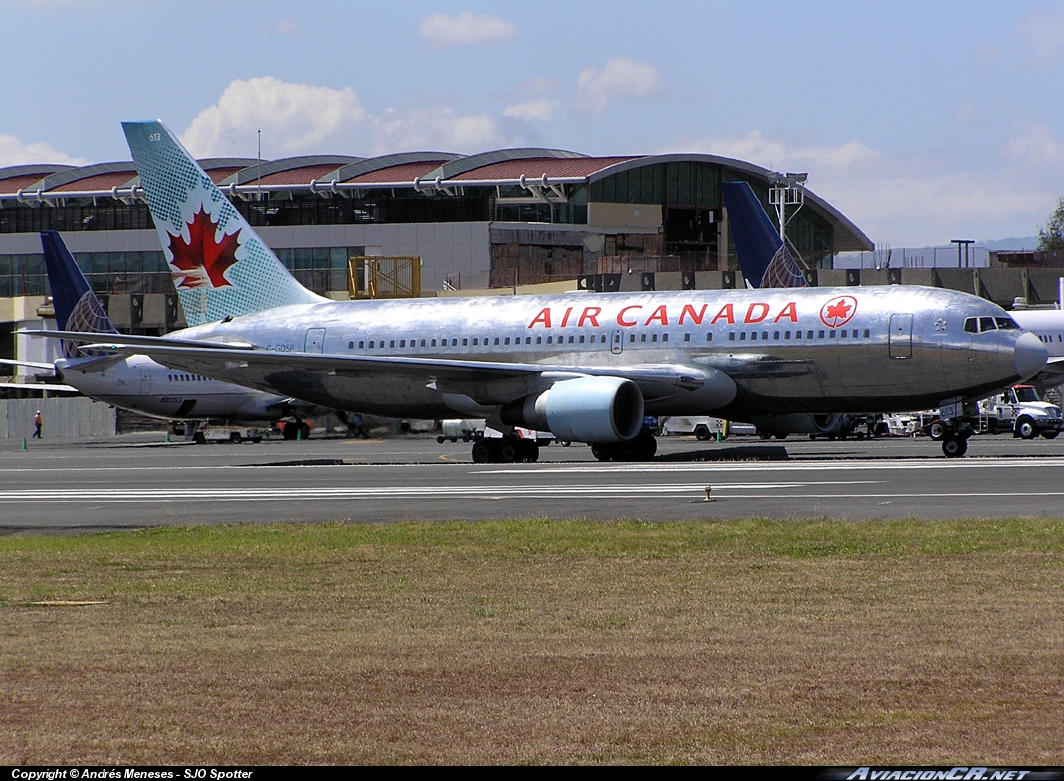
x: 76, y: 307
x: 763, y: 257
x: 219, y: 264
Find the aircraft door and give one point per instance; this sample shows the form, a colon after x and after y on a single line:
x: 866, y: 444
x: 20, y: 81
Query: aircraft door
x: 145, y: 380
x: 315, y: 340
x: 901, y: 336
x: 617, y: 343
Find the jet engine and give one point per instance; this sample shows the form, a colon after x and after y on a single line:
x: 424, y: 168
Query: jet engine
x: 587, y: 409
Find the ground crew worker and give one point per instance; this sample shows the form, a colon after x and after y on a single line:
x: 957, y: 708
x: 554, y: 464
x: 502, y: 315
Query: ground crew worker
x: 37, y: 425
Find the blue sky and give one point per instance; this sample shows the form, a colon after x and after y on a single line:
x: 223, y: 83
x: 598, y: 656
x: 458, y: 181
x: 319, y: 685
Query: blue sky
x: 921, y: 121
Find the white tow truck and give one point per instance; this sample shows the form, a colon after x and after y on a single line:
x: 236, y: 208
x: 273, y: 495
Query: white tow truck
x: 1021, y: 411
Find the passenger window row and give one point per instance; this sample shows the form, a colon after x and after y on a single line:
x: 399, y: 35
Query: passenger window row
x: 853, y: 333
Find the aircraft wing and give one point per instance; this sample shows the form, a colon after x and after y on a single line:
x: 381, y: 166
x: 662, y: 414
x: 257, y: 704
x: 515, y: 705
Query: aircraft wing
x: 28, y: 364
x: 489, y: 382
x: 45, y: 386
x: 149, y: 341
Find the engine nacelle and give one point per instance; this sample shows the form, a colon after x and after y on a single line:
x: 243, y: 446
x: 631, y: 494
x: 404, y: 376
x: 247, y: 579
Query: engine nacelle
x: 587, y: 409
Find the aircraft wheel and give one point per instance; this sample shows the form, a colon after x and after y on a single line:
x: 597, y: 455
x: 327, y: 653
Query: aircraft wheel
x: 529, y: 451
x: 508, y: 452
x: 603, y: 451
x: 954, y: 447
x: 1025, y: 428
x: 199, y: 438
x: 782, y: 436
x: 764, y: 434
x: 647, y: 446
x: 481, y: 452
x: 936, y: 431
x: 1050, y: 434
x: 256, y: 440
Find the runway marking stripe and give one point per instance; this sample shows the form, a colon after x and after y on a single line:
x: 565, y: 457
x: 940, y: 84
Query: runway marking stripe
x: 688, y: 492
x: 599, y: 468
x: 789, y: 466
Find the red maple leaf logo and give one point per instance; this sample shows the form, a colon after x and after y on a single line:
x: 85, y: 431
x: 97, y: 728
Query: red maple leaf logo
x: 201, y: 256
x: 838, y: 311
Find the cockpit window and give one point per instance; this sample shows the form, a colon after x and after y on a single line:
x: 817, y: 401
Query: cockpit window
x: 980, y: 325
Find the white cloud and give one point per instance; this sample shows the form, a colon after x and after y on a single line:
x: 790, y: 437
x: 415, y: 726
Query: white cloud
x: 619, y: 77
x: 915, y: 200
x: 303, y: 119
x: 542, y: 109
x: 757, y: 148
x: 1036, y: 147
x: 14, y: 152
x: 437, y: 128
x: 287, y: 27
x: 1043, y: 32
x: 466, y: 29
x: 294, y: 117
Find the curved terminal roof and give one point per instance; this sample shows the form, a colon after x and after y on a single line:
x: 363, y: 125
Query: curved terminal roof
x: 463, y: 165
x: 402, y: 167
x: 426, y: 172
x: 289, y: 170
x: 19, y: 177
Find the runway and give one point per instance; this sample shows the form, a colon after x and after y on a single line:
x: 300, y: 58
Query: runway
x: 141, y: 482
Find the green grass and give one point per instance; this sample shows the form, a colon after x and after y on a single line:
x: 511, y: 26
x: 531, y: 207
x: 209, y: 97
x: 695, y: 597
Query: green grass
x: 534, y: 641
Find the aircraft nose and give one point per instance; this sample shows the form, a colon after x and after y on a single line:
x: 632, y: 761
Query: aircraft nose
x: 1031, y: 356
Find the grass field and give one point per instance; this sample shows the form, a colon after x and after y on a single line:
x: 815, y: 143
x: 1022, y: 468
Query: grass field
x: 537, y: 642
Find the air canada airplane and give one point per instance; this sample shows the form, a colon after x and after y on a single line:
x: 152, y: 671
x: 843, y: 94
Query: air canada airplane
x: 136, y: 382
x: 766, y: 262
x: 584, y: 367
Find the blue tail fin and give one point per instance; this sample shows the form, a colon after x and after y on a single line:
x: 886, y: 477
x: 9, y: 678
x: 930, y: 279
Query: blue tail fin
x: 763, y: 257
x: 219, y: 264
x: 76, y: 307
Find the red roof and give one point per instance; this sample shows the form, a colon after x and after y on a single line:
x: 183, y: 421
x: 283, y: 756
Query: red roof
x: 535, y: 167
x: 303, y: 175
x: 16, y: 183
x: 220, y: 174
x: 407, y: 172
x: 98, y: 182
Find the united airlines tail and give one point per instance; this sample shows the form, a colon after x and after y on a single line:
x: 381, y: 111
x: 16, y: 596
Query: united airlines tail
x: 763, y: 256
x: 76, y: 307
x: 219, y: 264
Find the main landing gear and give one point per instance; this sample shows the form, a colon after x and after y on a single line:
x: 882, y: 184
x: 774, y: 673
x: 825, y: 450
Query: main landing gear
x: 641, y: 448
x: 955, y: 438
x: 505, y: 450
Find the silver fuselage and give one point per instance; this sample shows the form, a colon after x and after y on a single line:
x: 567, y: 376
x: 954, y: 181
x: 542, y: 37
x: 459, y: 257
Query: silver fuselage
x: 793, y: 350
x: 140, y: 384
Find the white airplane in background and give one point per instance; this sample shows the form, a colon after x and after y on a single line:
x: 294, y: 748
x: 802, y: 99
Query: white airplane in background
x: 136, y: 382
x: 585, y: 367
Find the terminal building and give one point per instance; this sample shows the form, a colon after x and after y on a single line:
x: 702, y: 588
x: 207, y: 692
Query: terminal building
x: 499, y: 219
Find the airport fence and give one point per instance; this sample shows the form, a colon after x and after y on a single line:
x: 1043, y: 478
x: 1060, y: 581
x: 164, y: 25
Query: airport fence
x: 61, y: 417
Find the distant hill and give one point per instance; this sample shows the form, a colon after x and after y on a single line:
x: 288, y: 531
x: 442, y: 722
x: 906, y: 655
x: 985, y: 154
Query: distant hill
x: 1027, y: 242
